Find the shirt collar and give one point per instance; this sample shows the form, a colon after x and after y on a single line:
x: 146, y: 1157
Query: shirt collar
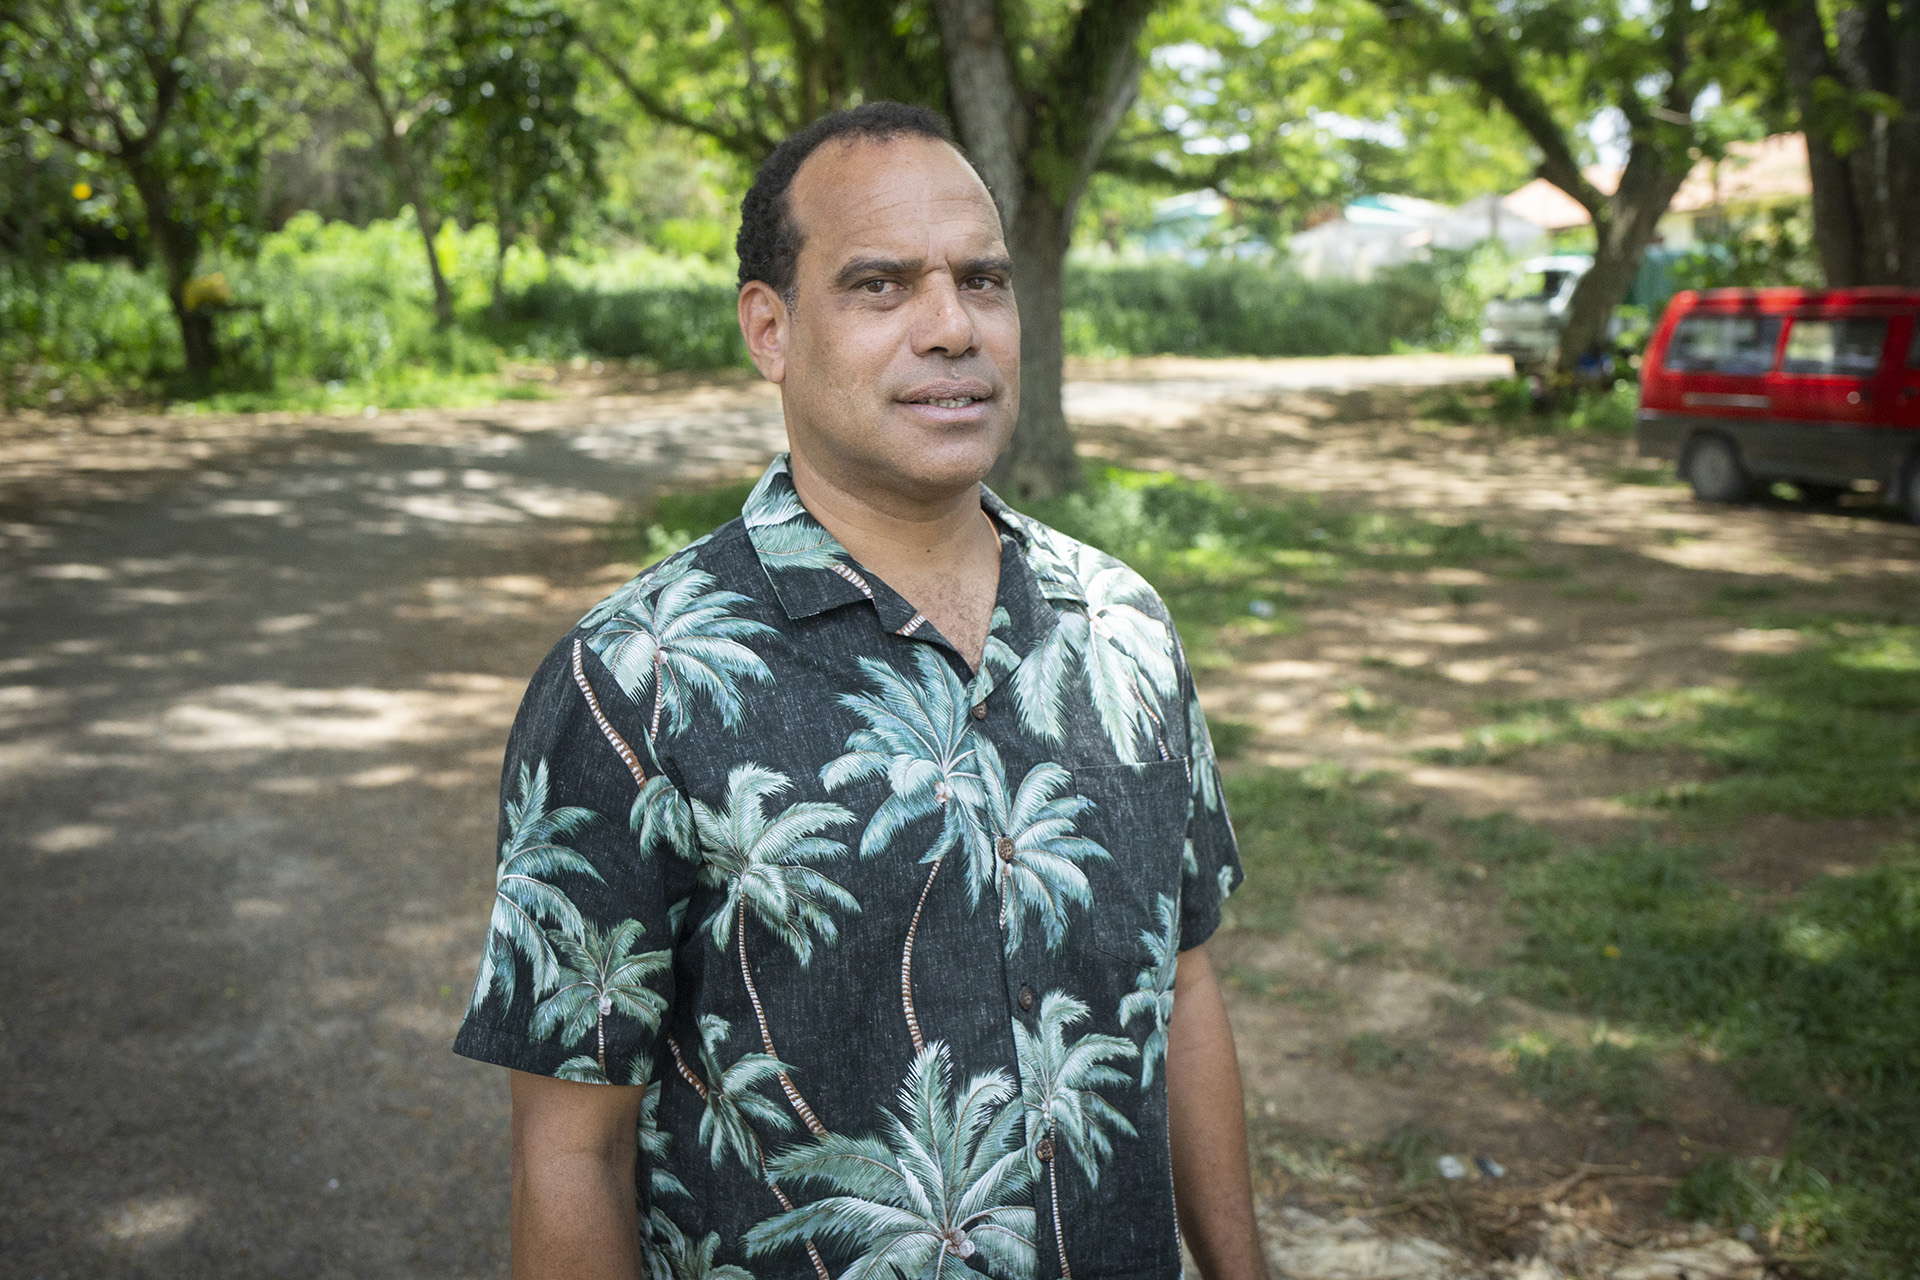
x: 812, y: 573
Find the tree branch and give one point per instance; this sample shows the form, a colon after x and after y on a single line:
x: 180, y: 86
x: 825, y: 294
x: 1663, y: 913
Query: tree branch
x: 751, y: 144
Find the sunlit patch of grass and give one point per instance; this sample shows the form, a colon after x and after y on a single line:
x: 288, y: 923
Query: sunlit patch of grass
x: 1216, y: 556
x: 1618, y: 592
x: 1832, y: 730
x: 1653, y: 477
x: 403, y: 388
x: 1313, y: 830
x: 1619, y: 1077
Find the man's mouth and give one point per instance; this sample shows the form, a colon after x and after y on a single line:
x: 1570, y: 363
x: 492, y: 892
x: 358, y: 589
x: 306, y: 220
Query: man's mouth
x: 949, y: 393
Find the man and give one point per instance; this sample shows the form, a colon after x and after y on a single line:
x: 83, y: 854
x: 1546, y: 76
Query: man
x: 856, y: 861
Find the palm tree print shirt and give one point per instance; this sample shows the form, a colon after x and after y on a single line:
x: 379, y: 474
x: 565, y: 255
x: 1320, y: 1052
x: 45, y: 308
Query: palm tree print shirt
x: 888, y: 942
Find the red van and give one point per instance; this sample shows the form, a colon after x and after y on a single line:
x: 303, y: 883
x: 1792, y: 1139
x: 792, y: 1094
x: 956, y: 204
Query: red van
x: 1820, y: 387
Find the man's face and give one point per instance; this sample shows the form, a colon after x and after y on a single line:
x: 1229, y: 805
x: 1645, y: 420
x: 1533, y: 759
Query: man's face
x: 900, y: 367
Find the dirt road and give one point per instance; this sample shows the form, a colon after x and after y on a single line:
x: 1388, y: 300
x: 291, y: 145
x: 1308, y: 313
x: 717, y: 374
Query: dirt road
x: 255, y: 675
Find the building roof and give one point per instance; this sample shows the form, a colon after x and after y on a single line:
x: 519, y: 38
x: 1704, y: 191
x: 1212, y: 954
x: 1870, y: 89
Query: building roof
x: 1764, y: 172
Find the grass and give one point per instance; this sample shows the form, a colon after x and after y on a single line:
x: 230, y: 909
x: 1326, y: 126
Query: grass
x: 1812, y: 1002
x: 1218, y: 559
x: 1509, y: 404
x: 1620, y: 1079
x: 1830, y: 731
x: 1313, y: 830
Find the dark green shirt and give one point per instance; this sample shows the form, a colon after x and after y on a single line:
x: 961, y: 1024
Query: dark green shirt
x: 889, y: 943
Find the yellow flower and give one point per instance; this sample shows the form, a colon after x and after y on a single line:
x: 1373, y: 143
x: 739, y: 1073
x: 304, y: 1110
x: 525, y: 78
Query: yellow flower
x: 206, y: 291
x: 81, y: 191
x: 1611, y: 952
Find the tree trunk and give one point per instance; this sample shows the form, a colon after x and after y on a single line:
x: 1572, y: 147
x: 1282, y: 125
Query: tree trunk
x: 393, y: 143
x: 1040, y: 461
x: 1036, y: 148
x: 1836, y: 222
x: 1621, y: 238
x: 503, y: 237
x: 1865, y: 164
x: 179, y: 250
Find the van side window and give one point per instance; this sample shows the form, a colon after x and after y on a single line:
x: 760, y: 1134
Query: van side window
x: 1723, y: 344
x: 1913, y: 351
x: 1835, y: 348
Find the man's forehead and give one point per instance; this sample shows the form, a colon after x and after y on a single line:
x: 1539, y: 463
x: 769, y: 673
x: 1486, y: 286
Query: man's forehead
x: 867, y: 195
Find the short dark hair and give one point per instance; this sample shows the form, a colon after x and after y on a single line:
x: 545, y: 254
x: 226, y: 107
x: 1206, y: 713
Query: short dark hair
x: 769, y: 241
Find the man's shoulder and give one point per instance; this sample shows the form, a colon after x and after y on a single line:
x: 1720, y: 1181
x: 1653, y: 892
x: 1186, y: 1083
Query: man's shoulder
x: 1074, y: 572
x: 721, y: 561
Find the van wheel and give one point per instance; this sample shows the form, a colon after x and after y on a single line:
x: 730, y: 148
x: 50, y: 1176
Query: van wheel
x: 1712, y: 466
x: 1910, y: 491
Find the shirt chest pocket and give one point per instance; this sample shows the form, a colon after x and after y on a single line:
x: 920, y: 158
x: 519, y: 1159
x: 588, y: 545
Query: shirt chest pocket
x: 1139, y: 816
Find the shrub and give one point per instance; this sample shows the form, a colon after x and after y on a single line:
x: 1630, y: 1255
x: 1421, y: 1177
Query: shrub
x: 1229, y: 307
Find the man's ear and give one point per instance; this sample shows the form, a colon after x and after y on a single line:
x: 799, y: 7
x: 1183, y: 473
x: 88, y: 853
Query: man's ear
x: 767, y: 326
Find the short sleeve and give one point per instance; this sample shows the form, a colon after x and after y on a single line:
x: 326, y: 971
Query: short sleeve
x: 595, y: 851
x: 1212, y: 858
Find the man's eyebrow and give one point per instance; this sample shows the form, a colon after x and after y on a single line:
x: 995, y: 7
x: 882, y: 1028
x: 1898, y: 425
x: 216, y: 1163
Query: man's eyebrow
x: 860, y: 268
x: 1000, y: 265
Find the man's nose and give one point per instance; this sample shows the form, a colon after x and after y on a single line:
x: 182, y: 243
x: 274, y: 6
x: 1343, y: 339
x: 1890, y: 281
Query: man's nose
x: 944, y: 326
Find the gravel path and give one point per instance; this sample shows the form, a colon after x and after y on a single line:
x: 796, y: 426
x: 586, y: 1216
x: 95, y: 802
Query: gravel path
x: 255, y: 674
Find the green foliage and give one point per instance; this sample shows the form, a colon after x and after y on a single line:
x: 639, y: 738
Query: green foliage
x: 1813, y: 1001
x: 520, y: 145
x: 1511, y: 404
x: 1776, y: 248
x: 1230, y: 307
x: 86, y: 331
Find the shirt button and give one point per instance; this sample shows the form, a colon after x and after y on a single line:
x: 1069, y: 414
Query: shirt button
x: 1004, y: 847
x: 1044, y: 1149
x: 979, y: 711
x: 1025, y: 998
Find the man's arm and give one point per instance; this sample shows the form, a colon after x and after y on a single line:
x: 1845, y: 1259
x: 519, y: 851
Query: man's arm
x: 573, y: 1192
x: 1212, y: 1186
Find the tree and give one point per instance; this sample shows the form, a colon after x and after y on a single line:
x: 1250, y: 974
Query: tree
x: 1856, y: 88
x: 520, y: 145
x: 134, y: 83
x: 942, y: 1187
x: 388, y: 48
x: 1552, y: 66
x: 1034, y: 89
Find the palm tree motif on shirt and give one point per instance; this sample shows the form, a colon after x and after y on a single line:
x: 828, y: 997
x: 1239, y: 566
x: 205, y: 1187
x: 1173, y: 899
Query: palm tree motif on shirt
x: 671, y: 1254
x: 940, y: 1188
x: 733, y: 1103
x: 765, y: 866
x: 1124, y: 654
x: 603, y: 974
x: 678, y: 640
x: 1152, y: 992
x: 918, y: 737
x: 524, y: 893
x: 1032, y: 855
x: 1058, y: 1083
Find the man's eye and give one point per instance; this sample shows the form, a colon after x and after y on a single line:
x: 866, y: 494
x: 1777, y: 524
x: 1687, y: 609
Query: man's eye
x: 877, y: 286
x: 982, y: 283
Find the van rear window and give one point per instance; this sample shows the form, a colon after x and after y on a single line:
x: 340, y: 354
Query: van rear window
x: 1835, y: 348
x: 1913, y: 351
x: 1723, y: 344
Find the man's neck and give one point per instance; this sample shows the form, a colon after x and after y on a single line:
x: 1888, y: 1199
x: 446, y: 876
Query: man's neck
x: 892, y: 534
x: 943, y: 556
